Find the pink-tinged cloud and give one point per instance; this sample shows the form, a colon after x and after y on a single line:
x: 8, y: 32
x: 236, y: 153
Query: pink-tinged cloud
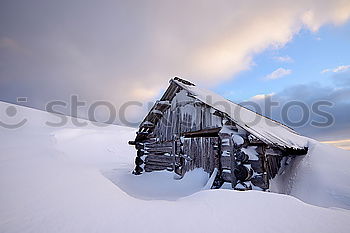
x: 337, y: 69
x: 279, y: 73
x: 126, y: 50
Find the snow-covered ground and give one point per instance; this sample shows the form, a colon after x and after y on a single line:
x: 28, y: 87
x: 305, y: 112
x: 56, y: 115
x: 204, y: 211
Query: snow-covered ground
x: 78, y: 179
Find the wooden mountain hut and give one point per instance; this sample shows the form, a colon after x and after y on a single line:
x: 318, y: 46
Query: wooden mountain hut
x: 190, y: 128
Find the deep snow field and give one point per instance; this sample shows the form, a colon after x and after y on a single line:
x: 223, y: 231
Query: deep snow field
x: 78, y: 179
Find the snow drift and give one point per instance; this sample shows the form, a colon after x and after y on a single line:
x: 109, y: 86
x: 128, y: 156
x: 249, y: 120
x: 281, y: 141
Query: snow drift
x: 71, y: 179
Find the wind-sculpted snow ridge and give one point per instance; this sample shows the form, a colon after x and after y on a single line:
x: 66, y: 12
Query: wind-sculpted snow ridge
x: 73, y: 179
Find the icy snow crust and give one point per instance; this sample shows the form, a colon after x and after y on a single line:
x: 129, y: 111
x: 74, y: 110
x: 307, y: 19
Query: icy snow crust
x: 265, y: 129
x: 73, y: 179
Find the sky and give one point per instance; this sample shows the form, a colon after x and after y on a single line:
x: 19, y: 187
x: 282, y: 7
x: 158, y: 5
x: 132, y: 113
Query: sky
x: 305, y: 57
x: 122, y: 51
x: 316, y: 67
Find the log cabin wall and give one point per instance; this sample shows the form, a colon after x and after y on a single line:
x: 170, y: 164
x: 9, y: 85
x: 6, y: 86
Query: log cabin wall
x: 186, y: 114
x: 245, y: 161
x: 184, y: 133
x: 172, y: 135
x: 200, y: 152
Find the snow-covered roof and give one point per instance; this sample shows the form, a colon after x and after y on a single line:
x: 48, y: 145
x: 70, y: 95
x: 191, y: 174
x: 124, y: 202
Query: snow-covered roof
x: 266, y: 129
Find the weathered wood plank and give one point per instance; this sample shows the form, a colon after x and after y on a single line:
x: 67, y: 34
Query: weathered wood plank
x: 151, y: 167
x: 150, y: 140
x: 173, y: 154
x: 209, y: 132
x: 161, y: 158
x: 162, y: 103
x: 213, y: 153
x: 157, y: 145
x: 162, y: 146
x: 273, y: 163
x: 233, y: 164
x: 159, y: 149
x: 160, y: 163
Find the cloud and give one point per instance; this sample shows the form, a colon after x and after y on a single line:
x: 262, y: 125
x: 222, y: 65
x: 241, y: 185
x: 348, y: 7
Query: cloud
x: 343, y: 144
x: 326, y: 71
x: 337, y: 97
x: 341, y: 68
x: 279, y: 73
x: 337, y: 69
x: 286, y: 59
x: 116, y: 49
x: 261, y: 96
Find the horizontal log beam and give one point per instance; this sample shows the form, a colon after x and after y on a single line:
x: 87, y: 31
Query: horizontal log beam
x: 159, y: 149
x: 203, y: 133
x: 158, y: 145
x: 159, y: 163
x: 151, y: 167
x: 161, y: 158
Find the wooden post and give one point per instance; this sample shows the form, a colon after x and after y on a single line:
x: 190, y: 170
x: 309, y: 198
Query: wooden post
x: 233, y: 163
x: 174, y: 151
